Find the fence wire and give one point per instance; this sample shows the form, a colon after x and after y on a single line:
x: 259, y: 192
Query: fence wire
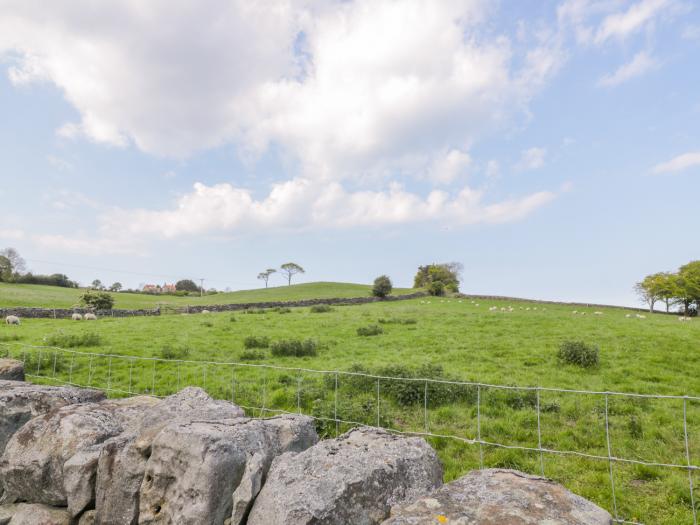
x: 124, y: 375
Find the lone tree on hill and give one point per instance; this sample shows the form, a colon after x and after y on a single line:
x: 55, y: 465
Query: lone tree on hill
x: 116, y: 287
x: 16, y: 261
x: 382, y: 286
x: 97, y: 284
x: 97, y: 300
x: 447, y: 274
x: 265, y: 276
x: 290, y: 269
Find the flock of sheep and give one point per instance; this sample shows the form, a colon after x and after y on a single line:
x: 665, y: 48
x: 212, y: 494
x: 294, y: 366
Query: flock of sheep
x: 13, y: 319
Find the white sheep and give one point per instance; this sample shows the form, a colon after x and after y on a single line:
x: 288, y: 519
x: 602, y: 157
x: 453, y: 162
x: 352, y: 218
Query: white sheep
x: 12, y: 319
x: 628, y: 316
x: 597, y: 313
x: 683, y: 318
x: 639, y: 316
x: 535, y: 308
x: 527, y: 309
x: 206, y: 312
x: 90, y: 317
x: 575, y: 312
x: 477, y: 304
x: 76, y: 317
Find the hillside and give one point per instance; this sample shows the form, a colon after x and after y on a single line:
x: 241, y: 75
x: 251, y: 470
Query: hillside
x: 56, y: 297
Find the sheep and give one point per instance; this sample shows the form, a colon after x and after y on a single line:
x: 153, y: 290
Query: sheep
x: 90, y: 317
x: 597, y: 313
x: 493, y: 308
x: 527, y: 309
x: 575, y: 312
x: 535, y: 308
x: 683, y: 318
x: 12, y: 319
x: 76, y: 317
x: 477, y: 304
x: 639, y: 316
x: 628, y: 316
x: 206, y: 312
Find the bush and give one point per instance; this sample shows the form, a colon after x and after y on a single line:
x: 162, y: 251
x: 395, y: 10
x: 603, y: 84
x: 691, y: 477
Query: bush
x: 436, y: 288
x: 255, y: 341
x: 382, y: 286
x: 74, y: 340
x: 208, y: 324
x: 252, y: 355
x: 171, y: 351
x: 407, y: 393
x: 294, y: 348
x: 283, y: 310
x: 373, y: 329
x: 233, y: 319
x: 321, y: 309
x: 97, y: 300
x: 256, y: 311
x: 578, y: 353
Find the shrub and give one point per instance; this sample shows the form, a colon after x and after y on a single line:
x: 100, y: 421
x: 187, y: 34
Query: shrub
x: 171, y: 351
x: 233, y: 319
x: 97, y: 300
x: 382, y: 286
x: 373, y: 329
x: 410, y: 392
x: 208, y: 324
x: 294, y: 348
x: 252, y: 355
x: 256, y: 311
x: 74, y: 340
x: 254, y: 341
x: 321, y: 309
x: 283, y: 310
x: 396, y: 320
x: 436, y: 288
x: 578, y: 353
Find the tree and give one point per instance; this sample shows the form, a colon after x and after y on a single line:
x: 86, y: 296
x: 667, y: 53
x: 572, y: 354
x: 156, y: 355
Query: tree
x: 265, y: 276
x: 382, y: 286
x: 116, y: 287
x: 5, y: 269
x: 688, y: 286
x: 650, y: 289
x: 97, y: 300
x: 97, y: 284
x: 446, y: 273
x: 18, y: 264
x: 290, y: 269
x: 186, y: 285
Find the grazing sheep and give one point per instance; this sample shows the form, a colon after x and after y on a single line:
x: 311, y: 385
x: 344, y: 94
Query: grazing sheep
x: 597, y: 313
x: 12, y: 319
x: 535, y: 308
x: 477, y: 304
x: 639, y: 316
x: 628, y: 316
x: 575, y: 312
x: 206, y: 312
x: 493, y: 308
x: 683, y: 318
x: 76, y: 317
x: 90, y: 317
x: 527, y: 309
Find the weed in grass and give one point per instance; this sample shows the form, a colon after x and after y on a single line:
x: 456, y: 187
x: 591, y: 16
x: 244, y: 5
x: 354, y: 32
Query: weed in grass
x: 256, y: 341
x: 367, y: 331
x: 208, y: 324
x: 285, y: 310
x: 320, y: 309
x: 233, y: 319
x: 294, y: 348
x: 397, y: 320
x: 256, y: 310
x: 6, y: 338
x: 73, y: 340
x: 252, y: 355
x: 173, y: 351
x: 579, y: 353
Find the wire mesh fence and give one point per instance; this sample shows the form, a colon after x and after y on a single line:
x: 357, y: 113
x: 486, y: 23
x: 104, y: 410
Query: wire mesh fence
x: 613, y: 447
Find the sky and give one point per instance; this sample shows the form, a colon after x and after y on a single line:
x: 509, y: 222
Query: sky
x: 551, y: 147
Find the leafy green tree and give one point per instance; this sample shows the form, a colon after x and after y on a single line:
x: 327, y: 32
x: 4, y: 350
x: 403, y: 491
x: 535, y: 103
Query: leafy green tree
x: 446, y: 273
x: 265, y: 276
x: 97, y: 300
x: 290, y: 269
x: 5, y: 269
x: 688, y: 286
x: 18, y: 264
x: 97, y: 284
x: 649, y: 289
x: 116, y: 287
x: 186, y: 285
x: 382, y: 286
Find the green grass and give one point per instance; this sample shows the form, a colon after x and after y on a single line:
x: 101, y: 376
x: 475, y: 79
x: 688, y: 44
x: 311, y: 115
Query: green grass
x: 654, y: 355
x: 55, y: 297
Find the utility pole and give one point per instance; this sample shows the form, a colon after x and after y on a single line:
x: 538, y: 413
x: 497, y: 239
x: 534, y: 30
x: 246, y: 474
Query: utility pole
x: 201, y: 287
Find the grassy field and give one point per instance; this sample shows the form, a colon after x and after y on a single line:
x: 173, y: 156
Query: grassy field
x: 449, y: 339
x: 55, y: 297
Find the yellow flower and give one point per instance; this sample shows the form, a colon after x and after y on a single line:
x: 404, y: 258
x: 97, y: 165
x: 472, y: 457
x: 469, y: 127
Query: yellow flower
x: 442, y: 519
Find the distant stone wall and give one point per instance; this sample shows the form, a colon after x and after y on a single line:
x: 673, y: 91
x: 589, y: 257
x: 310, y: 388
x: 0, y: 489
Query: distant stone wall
x: 66, y: 313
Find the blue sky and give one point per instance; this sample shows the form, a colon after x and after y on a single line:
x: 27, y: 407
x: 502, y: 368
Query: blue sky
x: 551, y: 147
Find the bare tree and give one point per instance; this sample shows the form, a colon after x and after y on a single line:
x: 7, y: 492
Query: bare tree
x: 265, y: 276
x: 12, y: 255
x: 290, y: 269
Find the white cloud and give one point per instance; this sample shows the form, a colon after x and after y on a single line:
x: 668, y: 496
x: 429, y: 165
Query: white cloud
x: 301, y: 204
x: 620, y: 25
x: 11, y: 233
x: 691, y: 32
x: 449, y: 167
x: 640, y: 64
x: 86, y: 245
x: 679, y: 163
x: 531, y: 159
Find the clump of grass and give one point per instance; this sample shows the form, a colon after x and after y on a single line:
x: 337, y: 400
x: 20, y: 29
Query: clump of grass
x: 579, y: 353
x: 283, y: 310
x: 294, y: 348
x: 74, y: 340
x: 256, y: 341
x: 172, y: 351
x: 256, y: 311
x: 4, y: 338
x: 208, y: 324
x: 370, y: 330
x: 233, y: 319
x: 397, y: 320
x: 320, y: 309
x: 252, y: 355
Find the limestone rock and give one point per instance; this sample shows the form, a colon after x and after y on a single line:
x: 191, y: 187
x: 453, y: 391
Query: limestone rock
x: 500, y: 496
x: 355, y: 478
x: 37, y: 514
x: 122, y: 462
x: 195, y: 468
x: 11, y: 370
x: 7, y: 511
x: 88, y: 518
